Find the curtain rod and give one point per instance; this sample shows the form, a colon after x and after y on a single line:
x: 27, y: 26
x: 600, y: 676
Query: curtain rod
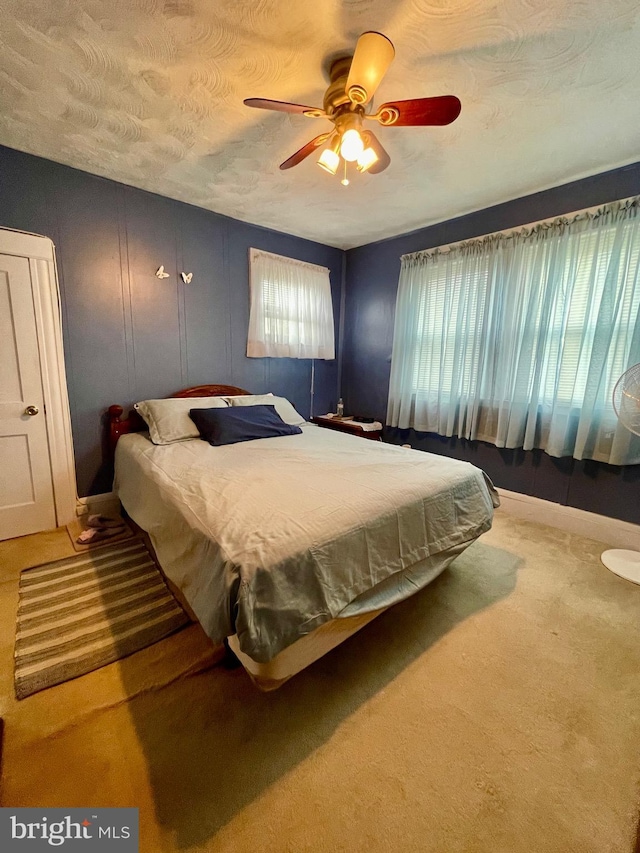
x: 524, y: 227
x: 253, y: 252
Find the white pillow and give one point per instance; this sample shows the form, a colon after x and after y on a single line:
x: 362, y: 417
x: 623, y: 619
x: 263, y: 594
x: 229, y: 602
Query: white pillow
x: 282, y: 406
x: 169, y: 420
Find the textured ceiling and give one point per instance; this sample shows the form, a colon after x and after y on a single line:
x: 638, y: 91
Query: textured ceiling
x: 150, y: 93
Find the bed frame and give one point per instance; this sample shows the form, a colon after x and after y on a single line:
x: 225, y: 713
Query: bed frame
x: 302, y: 653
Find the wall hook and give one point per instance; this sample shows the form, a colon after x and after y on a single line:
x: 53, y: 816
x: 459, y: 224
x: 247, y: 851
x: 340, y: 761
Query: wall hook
x: 186, y: 277
x: 160, y: 273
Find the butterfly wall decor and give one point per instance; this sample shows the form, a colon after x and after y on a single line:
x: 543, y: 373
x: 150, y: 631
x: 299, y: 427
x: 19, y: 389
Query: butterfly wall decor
x: 186, y: 277
x: 160, y: 273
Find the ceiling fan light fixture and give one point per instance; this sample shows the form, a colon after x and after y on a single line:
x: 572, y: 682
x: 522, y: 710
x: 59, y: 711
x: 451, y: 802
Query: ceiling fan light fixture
x: 354, y: 80
x: 329, y: 161
x: 351, y: 145
x: 366, y: 159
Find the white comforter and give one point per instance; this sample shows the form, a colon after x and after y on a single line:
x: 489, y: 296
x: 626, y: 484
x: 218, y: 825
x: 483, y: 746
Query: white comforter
x: 271, y: 538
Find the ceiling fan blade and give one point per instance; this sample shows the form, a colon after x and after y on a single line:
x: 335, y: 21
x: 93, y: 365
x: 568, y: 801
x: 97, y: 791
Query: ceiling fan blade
x: 373, y: 55
x: 307, y: 149
x: 280, y: 106
x: 420, y: 111
x: 383, y: 157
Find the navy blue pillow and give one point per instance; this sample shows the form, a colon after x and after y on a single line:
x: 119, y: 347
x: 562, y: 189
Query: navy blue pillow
x: 240, y: 423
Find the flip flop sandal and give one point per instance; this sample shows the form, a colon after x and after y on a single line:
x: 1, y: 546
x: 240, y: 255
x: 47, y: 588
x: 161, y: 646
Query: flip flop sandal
x: 97, y: 534
x: 104, y: 521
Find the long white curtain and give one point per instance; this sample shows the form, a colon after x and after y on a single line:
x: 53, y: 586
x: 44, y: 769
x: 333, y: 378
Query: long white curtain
x: 518, y: 339
x: 291, y: 312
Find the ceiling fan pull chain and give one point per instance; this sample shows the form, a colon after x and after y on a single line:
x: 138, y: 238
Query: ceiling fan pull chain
x: 345, y: 180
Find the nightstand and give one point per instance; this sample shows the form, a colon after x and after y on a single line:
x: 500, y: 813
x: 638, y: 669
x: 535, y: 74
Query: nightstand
x: 347, y: 425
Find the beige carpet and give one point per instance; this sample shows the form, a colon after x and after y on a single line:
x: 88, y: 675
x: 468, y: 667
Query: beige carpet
x: 496, y: 712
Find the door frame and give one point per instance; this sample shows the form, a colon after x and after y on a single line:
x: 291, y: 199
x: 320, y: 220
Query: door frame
x: 40, y: 252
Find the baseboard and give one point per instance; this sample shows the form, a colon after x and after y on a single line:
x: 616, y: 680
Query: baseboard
x: 612, y: 531
x: 105, y: 504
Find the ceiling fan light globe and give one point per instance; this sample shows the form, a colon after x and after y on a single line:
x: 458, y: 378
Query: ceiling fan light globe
x: 329, y: 161
x: 366, y: 159
x: 351, y: 146
x: 372, y: 57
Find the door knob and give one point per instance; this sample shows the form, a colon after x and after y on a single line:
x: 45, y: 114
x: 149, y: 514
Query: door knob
x: 31, y: 410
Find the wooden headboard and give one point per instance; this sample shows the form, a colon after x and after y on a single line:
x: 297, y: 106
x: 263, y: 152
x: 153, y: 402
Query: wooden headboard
x: 133, y: 423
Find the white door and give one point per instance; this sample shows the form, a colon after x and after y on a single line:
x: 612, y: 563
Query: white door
x: 26, y: 488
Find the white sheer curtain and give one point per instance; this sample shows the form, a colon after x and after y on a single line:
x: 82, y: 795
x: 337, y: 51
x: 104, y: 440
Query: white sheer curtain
x: 291, y: 312
x: 518, y: 339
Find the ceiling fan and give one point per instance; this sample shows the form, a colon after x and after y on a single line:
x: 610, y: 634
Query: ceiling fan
x: 353, y: 82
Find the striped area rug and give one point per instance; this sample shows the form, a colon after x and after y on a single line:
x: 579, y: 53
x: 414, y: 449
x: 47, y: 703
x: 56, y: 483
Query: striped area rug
x: 78, y: 614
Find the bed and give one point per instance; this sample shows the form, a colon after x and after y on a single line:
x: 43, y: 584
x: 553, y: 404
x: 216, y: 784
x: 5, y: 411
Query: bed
x: 288, y: 545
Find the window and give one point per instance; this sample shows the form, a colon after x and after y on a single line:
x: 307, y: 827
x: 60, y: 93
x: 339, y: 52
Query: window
x: 291, y: 309
x: 519, y: 339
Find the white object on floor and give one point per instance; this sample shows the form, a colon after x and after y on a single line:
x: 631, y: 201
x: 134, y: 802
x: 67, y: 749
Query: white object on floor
x: 625, y: 564
x: 626, y: 403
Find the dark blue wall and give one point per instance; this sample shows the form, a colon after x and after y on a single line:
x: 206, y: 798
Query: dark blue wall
x: 372, y: 282
x: 129, y: 336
